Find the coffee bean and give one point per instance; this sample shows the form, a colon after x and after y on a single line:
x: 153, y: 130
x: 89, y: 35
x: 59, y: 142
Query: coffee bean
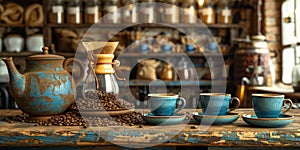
x: 194, y: 127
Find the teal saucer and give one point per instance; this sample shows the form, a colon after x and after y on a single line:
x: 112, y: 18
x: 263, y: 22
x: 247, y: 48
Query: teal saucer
x: 281, y: 121
x: 164, y: 120
x: 207, y: 119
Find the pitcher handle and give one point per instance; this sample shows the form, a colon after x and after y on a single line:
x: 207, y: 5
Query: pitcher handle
x: 180, y: 104
x: 116, y: 64
x: 70, y: 60
x: 237, y: 104
x: 291, y: 105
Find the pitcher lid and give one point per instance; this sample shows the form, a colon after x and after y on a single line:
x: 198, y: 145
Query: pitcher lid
x: 45, y: 55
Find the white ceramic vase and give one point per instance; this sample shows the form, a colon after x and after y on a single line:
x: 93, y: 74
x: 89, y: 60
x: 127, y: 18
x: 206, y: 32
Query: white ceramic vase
x: 35, y: 43
x: 13, y: 43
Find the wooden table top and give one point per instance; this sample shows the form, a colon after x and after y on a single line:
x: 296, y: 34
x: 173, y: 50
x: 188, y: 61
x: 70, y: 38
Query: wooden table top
x: 236, y: 134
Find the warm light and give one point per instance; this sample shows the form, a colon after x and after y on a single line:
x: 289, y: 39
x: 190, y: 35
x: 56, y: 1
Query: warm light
x: 130, y: 6
x: 200, y: 2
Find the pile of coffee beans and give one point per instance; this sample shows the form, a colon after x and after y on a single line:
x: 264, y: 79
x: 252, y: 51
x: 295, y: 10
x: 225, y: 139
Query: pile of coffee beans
x: 74, y: 118
x: 100, y: 100
x: 95, y: 100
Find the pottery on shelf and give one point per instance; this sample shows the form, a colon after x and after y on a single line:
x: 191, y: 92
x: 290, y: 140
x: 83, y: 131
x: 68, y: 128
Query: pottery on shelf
x: 35, y: 43
x: 13, y: 43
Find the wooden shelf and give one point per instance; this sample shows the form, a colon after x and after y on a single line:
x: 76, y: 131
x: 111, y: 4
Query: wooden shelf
x: 26, y: 54
x: 124, y: 55
x: 69, y: 25
x: 153, y: 25
x: 136, y: 82
x: 207, y: 54
x: 19, y: 26
x: 18, y: 54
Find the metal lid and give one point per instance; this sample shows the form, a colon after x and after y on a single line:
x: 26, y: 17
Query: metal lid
x: 45, y: 55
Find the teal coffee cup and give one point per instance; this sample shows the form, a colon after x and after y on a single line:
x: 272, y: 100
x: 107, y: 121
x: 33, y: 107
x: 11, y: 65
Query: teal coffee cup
x: 217, y: 104
x: 269, y: 105
x: 165, y: 104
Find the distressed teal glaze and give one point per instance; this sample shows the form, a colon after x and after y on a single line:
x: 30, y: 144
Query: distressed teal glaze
x: 36, y: 66
x: 89, y: 136
x: 281, y: 121
x: 50, y: 100
x: 165, y: 104
x: 44, y: 89
x: 292, y: 138
x: 267, y: 107
x: 230, y: 136
x: 51, y: 137
x: 17, y: 83
x: 164, y: 120
x: 217, y: 120
x: 18, y: 139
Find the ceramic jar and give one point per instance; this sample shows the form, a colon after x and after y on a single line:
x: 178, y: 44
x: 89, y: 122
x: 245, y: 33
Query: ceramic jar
x: 35, y: 43
x: 13, y: 43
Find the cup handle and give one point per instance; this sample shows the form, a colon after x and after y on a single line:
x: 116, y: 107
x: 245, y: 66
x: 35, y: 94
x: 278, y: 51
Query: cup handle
x: 237, y: 104
x: 180, y: 104
x: 291, y: 105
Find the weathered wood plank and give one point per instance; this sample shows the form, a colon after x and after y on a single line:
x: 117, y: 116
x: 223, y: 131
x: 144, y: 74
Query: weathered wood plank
x: 236, y: 134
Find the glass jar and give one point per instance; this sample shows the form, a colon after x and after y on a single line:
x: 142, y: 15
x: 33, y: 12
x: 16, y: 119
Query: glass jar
x: 74, y: 15
x: 130, y: 12
x: 111, y: 10
x: 183, y: 70
x: 296, y: 78
x: 92, y: 11
x: 171, y: 12
x: 147, y: 13
x: 188, y: 15
x: 207, y: 12
x: 56, y: 15
x: 224, y: 13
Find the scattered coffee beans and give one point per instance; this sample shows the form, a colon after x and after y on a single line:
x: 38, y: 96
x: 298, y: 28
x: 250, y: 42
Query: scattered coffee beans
x: 74, y: 119
x: 95, y: 100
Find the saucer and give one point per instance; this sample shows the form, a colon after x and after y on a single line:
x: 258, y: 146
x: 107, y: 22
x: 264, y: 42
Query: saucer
x: 163, y: 120
x: 207, y: 119
x: 281, y: 121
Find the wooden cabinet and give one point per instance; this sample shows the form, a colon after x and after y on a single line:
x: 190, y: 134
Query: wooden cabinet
x: 66, y: 46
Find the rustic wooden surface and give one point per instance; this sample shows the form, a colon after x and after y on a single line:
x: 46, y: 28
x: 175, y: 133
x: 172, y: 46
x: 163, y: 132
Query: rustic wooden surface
x: 236, y: 134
